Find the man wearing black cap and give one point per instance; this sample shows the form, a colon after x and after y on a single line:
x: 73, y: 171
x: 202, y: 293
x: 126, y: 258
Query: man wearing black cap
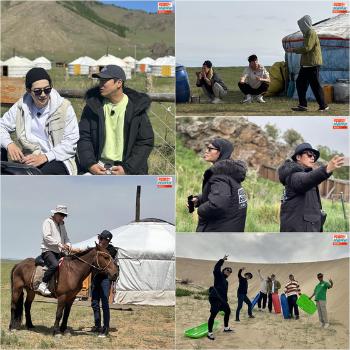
x: 100, y: 289
x: 45, y: 125
x: 301, y: 209
x: 116, y: 136
x: 212, y: 85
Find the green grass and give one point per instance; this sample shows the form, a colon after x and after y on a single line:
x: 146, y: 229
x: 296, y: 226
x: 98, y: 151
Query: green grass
x: 161, y: 114
x: 274, y: 105
x: 181, y: 292
x: 263, y: 197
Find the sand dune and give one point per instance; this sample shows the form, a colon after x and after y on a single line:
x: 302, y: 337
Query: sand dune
x: 267, y: 331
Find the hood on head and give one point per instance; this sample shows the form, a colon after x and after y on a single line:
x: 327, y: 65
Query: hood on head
x: 287, y: 168
x: 225, y: 147
x: 305, y: 24
x: 237, y: 169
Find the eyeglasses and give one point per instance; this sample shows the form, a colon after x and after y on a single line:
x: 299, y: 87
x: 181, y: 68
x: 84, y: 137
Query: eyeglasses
x: 38, y: 92
x: 310, y: 154
x: 209, y: 149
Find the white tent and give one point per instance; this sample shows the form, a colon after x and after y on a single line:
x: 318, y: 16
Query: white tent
x: 164, y: 67
x: 110, y: 59
x: 144, y: 65
x: 130, y: 61
x: 146, y: 258
x: 18, y: 66
x: 42, y: 62
x: 81, y: 66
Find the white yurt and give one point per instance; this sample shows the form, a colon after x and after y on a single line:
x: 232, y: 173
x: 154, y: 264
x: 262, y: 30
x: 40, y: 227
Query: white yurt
x: 146, y: 259
x: 130, y: 61
x: 42, y: 62
x: 110, y: 59
x: 144, y: 65
x: 164, y: 67
x: 1, y: 68
x: 17, y: 66
x: 81, y: 66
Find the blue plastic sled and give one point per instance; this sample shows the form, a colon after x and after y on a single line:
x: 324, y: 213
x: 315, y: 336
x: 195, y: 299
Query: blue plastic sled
x: 255, y: 300
x: 285, y: 306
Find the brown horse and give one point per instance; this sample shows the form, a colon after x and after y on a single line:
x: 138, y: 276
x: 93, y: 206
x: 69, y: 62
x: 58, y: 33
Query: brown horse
x: 72, y: 272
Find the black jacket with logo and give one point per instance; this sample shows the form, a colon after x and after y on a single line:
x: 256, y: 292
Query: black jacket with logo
x: 222, y: 206
x: 301, y: 203
x: 138, y: 132
x: 220, y: 283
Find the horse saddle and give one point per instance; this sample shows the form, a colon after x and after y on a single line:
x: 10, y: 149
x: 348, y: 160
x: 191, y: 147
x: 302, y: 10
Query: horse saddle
x: 11, y: 168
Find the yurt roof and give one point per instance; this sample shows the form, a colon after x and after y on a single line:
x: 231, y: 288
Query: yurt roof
x: 146, y: 60
x: 129, y: 59
x: 110, y: 59
x: 41, y: 59
x: 85, y: 60
x: 18, y: 61
x: 166, y: 60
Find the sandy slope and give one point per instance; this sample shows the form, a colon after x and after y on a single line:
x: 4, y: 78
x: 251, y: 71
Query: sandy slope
x: 267, y: 331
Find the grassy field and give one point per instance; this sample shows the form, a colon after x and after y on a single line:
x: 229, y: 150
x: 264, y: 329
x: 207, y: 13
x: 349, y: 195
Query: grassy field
x: 144, y: 327
x: 162, y: 115
x: 274, y: 105
x: 263, y: 197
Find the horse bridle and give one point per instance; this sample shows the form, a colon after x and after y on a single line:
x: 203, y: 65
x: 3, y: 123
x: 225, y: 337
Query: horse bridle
x: 98, y: 265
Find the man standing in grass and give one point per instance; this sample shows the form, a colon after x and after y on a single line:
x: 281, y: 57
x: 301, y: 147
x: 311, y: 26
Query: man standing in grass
x: 255, y: 81
x: 116, y: 136
x: 310, y: 63
x: 320, y: 294
x: 210, y: 82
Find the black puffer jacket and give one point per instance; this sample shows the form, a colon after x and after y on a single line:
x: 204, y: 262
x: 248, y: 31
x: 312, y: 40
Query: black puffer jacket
x: 138, y: 132
x: 301, y: 203
x: 222, y: 206
x: 220, y: 283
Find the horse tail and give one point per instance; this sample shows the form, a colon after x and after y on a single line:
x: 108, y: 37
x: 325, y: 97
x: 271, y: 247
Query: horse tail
x: 17, y: 306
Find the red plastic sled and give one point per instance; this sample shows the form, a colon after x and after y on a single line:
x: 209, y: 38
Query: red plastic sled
x: 276, y: 303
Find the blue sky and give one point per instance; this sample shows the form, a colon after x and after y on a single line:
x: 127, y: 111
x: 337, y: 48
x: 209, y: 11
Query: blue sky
x: 94, y: 204
x: 148, y: 6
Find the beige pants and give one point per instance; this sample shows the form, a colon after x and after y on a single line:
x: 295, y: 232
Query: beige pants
x: 322, y: 311
x: 218, y: 91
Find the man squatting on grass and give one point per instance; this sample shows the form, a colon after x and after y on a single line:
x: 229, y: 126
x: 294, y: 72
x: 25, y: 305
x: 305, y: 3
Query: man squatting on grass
x: 310, y: 63
x: 320, y: 294
x: 255, y: 81
x: 212, y: 85
x: 301, y: 209
x: 218, y: 297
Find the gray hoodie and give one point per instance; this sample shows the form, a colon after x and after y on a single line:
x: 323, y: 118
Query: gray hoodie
x: 305, y: 24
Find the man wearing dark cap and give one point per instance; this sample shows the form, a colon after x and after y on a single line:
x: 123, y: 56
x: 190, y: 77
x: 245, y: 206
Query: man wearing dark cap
x: 45, y: 126
x: 242, y: 292
x: 301, y: 209
x: 100, y: 287
x: 116, y: 136
x: 254, y: 81
x: 212, y: 85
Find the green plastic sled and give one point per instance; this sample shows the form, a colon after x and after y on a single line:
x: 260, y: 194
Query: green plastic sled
x: 201, y: 331
x: 306, y: 304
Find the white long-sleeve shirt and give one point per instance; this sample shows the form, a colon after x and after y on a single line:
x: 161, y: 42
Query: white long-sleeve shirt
x: 54, y: 236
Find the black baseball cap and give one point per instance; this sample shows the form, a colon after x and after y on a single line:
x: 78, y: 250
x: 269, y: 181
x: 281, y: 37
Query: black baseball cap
x: 111, y: 71
x: 105, y: 235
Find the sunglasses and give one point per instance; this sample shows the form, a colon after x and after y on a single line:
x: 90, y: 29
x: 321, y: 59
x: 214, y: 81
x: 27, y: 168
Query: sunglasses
x: 310, y: 154
x: 209, y: 149
x: 38, y: 92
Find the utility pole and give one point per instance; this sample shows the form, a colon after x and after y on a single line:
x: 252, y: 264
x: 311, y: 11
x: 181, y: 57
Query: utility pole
x: 138, y: 195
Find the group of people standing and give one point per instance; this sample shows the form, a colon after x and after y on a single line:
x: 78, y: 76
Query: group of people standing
x: 218, y: 295
x: 114, y: 135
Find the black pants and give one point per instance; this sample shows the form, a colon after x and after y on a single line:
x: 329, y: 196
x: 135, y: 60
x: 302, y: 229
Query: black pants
x: 310, y: 76
x: 243, y: 298
x: 292, y: 303
x: 248, y: 90
x: 54, y: 168
x: 216, y: 306
x: 269, y: 304
x: 263, y: 298
x: 51, y: 261
x: 100, y: 292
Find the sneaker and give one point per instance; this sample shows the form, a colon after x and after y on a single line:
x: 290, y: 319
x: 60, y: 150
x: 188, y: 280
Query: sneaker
x: 103, y: 333
x: 216, y: 100
x: 260, y: 99
x: 326, y: 325
x: 96, y: 329
x: 43, y: 289
x: 297, y: 317
x: 323, y: 109
x: 248, y: 99
x: 299, y: 109
x: 210, y: 336
x: 227, y: 330
x: 237, y: 320
x: 251, y: 316
x: 321, y: 324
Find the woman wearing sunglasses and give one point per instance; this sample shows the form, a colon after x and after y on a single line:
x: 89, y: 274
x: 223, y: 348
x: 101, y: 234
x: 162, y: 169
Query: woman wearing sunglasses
x: 45, y: 127
x: 301, y: 209
x: 222, y: 205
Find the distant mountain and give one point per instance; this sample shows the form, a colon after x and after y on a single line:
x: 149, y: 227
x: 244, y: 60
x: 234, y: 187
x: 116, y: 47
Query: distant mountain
x: 64, y: 30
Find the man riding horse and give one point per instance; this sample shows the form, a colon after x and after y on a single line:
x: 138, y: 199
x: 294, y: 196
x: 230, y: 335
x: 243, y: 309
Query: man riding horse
x: 55, y: 242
